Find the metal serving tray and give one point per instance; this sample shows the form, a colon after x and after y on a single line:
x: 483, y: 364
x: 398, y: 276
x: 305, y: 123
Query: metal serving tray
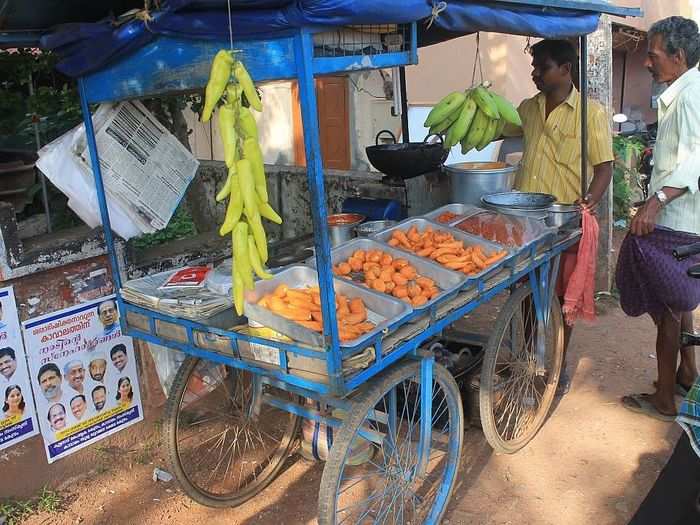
x: 463, y: 210
x: 382, y: 309
x: 447, y: 280
x: 468, y: 239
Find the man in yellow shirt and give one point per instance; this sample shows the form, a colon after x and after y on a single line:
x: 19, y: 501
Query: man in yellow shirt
x: 551, y: 133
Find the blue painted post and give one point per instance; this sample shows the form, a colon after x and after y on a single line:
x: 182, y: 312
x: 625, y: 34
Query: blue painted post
x: 426, y: 412
x: 314, y: 168
x: 100, y: 189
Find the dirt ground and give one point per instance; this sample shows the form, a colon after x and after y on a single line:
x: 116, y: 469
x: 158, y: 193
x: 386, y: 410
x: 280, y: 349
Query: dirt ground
x: 592, y: 462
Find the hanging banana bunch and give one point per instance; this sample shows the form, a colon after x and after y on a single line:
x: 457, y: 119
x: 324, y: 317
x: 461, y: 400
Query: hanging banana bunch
x: 246, y: 185
x: 472, y: 118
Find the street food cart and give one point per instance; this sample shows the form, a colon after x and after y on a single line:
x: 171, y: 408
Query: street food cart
x: 397, y: 418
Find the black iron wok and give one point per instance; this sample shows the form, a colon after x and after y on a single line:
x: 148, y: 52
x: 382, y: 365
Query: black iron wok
x: 406, y: 160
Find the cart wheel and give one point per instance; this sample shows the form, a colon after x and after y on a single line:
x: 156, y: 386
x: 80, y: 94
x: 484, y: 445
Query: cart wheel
x: 513, y: 400
x: 390, y: 487
x: 221, y: 451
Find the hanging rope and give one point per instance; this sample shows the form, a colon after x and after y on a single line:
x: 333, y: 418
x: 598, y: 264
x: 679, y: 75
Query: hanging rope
x: 477, y: 61
x: 230, y: 25
x: 438, y: 7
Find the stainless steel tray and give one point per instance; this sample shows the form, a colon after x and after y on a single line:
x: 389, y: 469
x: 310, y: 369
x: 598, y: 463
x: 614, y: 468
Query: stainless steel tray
x: 468, y: 239
x: 447, y: 280
x: 463, y: 210
x: 382, y: 309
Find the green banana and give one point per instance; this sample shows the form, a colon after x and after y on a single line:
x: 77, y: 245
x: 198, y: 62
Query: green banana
x: 499, y: 129
x: 485, y: 102
x: 488, y: 134
x: 218, y: 78
x: 445, y: 124
x: 461, y: 126
x: 466, y: 147
x: 246, y: 83
x: 444, y: 108
x: 476, y: 130
x: 506, y: 110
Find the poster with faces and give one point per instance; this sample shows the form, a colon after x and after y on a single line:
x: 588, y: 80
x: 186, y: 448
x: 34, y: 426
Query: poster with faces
x: 17, y: 418
x: 83, y: 371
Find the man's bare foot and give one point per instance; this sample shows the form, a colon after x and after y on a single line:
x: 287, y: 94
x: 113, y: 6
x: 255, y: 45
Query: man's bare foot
x: 662, y: 404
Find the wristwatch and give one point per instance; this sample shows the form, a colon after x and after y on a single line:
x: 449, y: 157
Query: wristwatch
x: 661, y: 197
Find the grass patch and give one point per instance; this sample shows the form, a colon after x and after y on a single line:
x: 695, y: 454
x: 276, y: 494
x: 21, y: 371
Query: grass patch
x: 15, y: 511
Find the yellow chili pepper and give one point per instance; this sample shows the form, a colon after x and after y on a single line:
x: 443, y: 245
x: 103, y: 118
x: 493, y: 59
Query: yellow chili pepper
x: 255, y: 259
x: 235, y: 207
x: 269, y: 213
x: 241, y: 74
x: 241, y: 259
x: 251, y: 152
x: 229, y: 136
x: 246, y: 124
x: 218, y: 78
x: 238, y: 291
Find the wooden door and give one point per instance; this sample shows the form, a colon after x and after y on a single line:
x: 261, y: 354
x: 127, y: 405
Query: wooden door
x: 334, y: 123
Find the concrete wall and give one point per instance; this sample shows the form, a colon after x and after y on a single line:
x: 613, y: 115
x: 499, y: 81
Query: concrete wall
x: 638, y: 86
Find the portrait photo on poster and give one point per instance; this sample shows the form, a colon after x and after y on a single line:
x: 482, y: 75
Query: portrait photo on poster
x: 17, y: 418
x: 85, y: 375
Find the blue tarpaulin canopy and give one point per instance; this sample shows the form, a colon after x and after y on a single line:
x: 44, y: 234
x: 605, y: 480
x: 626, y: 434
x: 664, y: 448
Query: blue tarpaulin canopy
x: 87, y: 47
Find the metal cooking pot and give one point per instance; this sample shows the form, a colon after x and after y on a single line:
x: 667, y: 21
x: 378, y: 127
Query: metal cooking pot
x: 469, y: 181
x: 406, y: 160
x: 342, y: 227
x: 562, y: 215
x: 370, y: 227
x: 534, y: 205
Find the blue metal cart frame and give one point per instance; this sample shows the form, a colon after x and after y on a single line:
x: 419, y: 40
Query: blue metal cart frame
x: 182, y: 65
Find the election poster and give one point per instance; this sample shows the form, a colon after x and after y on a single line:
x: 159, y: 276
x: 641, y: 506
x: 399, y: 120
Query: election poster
x: 84, y: 376
x: 17, y: 418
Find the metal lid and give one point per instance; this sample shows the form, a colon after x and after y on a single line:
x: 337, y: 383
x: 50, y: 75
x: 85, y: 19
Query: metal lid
x: 519, y: 200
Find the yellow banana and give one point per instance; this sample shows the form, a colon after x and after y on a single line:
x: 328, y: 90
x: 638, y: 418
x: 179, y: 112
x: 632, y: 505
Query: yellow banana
x: 218, y: 78
x: 443, y: 109
x: 246, y: 83
x: 255, y: 261
x: 485, y: 102
x: 476, y: 130
x: 246, y: 124
x: 506, y: 110
x: 234, y: 208
x: 252, y: 153
x: 488, y: 134
x: 460, y: 127
x: 238, y: 290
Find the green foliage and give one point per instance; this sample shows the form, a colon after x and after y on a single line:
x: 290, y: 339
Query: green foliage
x: 54, y: 105
x: 624, y: 178
x: 16, y: 511
x: 179, y: 227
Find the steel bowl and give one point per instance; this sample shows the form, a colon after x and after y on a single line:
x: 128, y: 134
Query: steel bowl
x: 563, y: 215
x: 469, y: 181
x: 342, y: 226
x: 371, y: 227
x: 534, y: 205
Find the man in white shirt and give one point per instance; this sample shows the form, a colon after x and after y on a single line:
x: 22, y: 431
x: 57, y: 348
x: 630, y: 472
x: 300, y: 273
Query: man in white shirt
x: 649, y: 279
